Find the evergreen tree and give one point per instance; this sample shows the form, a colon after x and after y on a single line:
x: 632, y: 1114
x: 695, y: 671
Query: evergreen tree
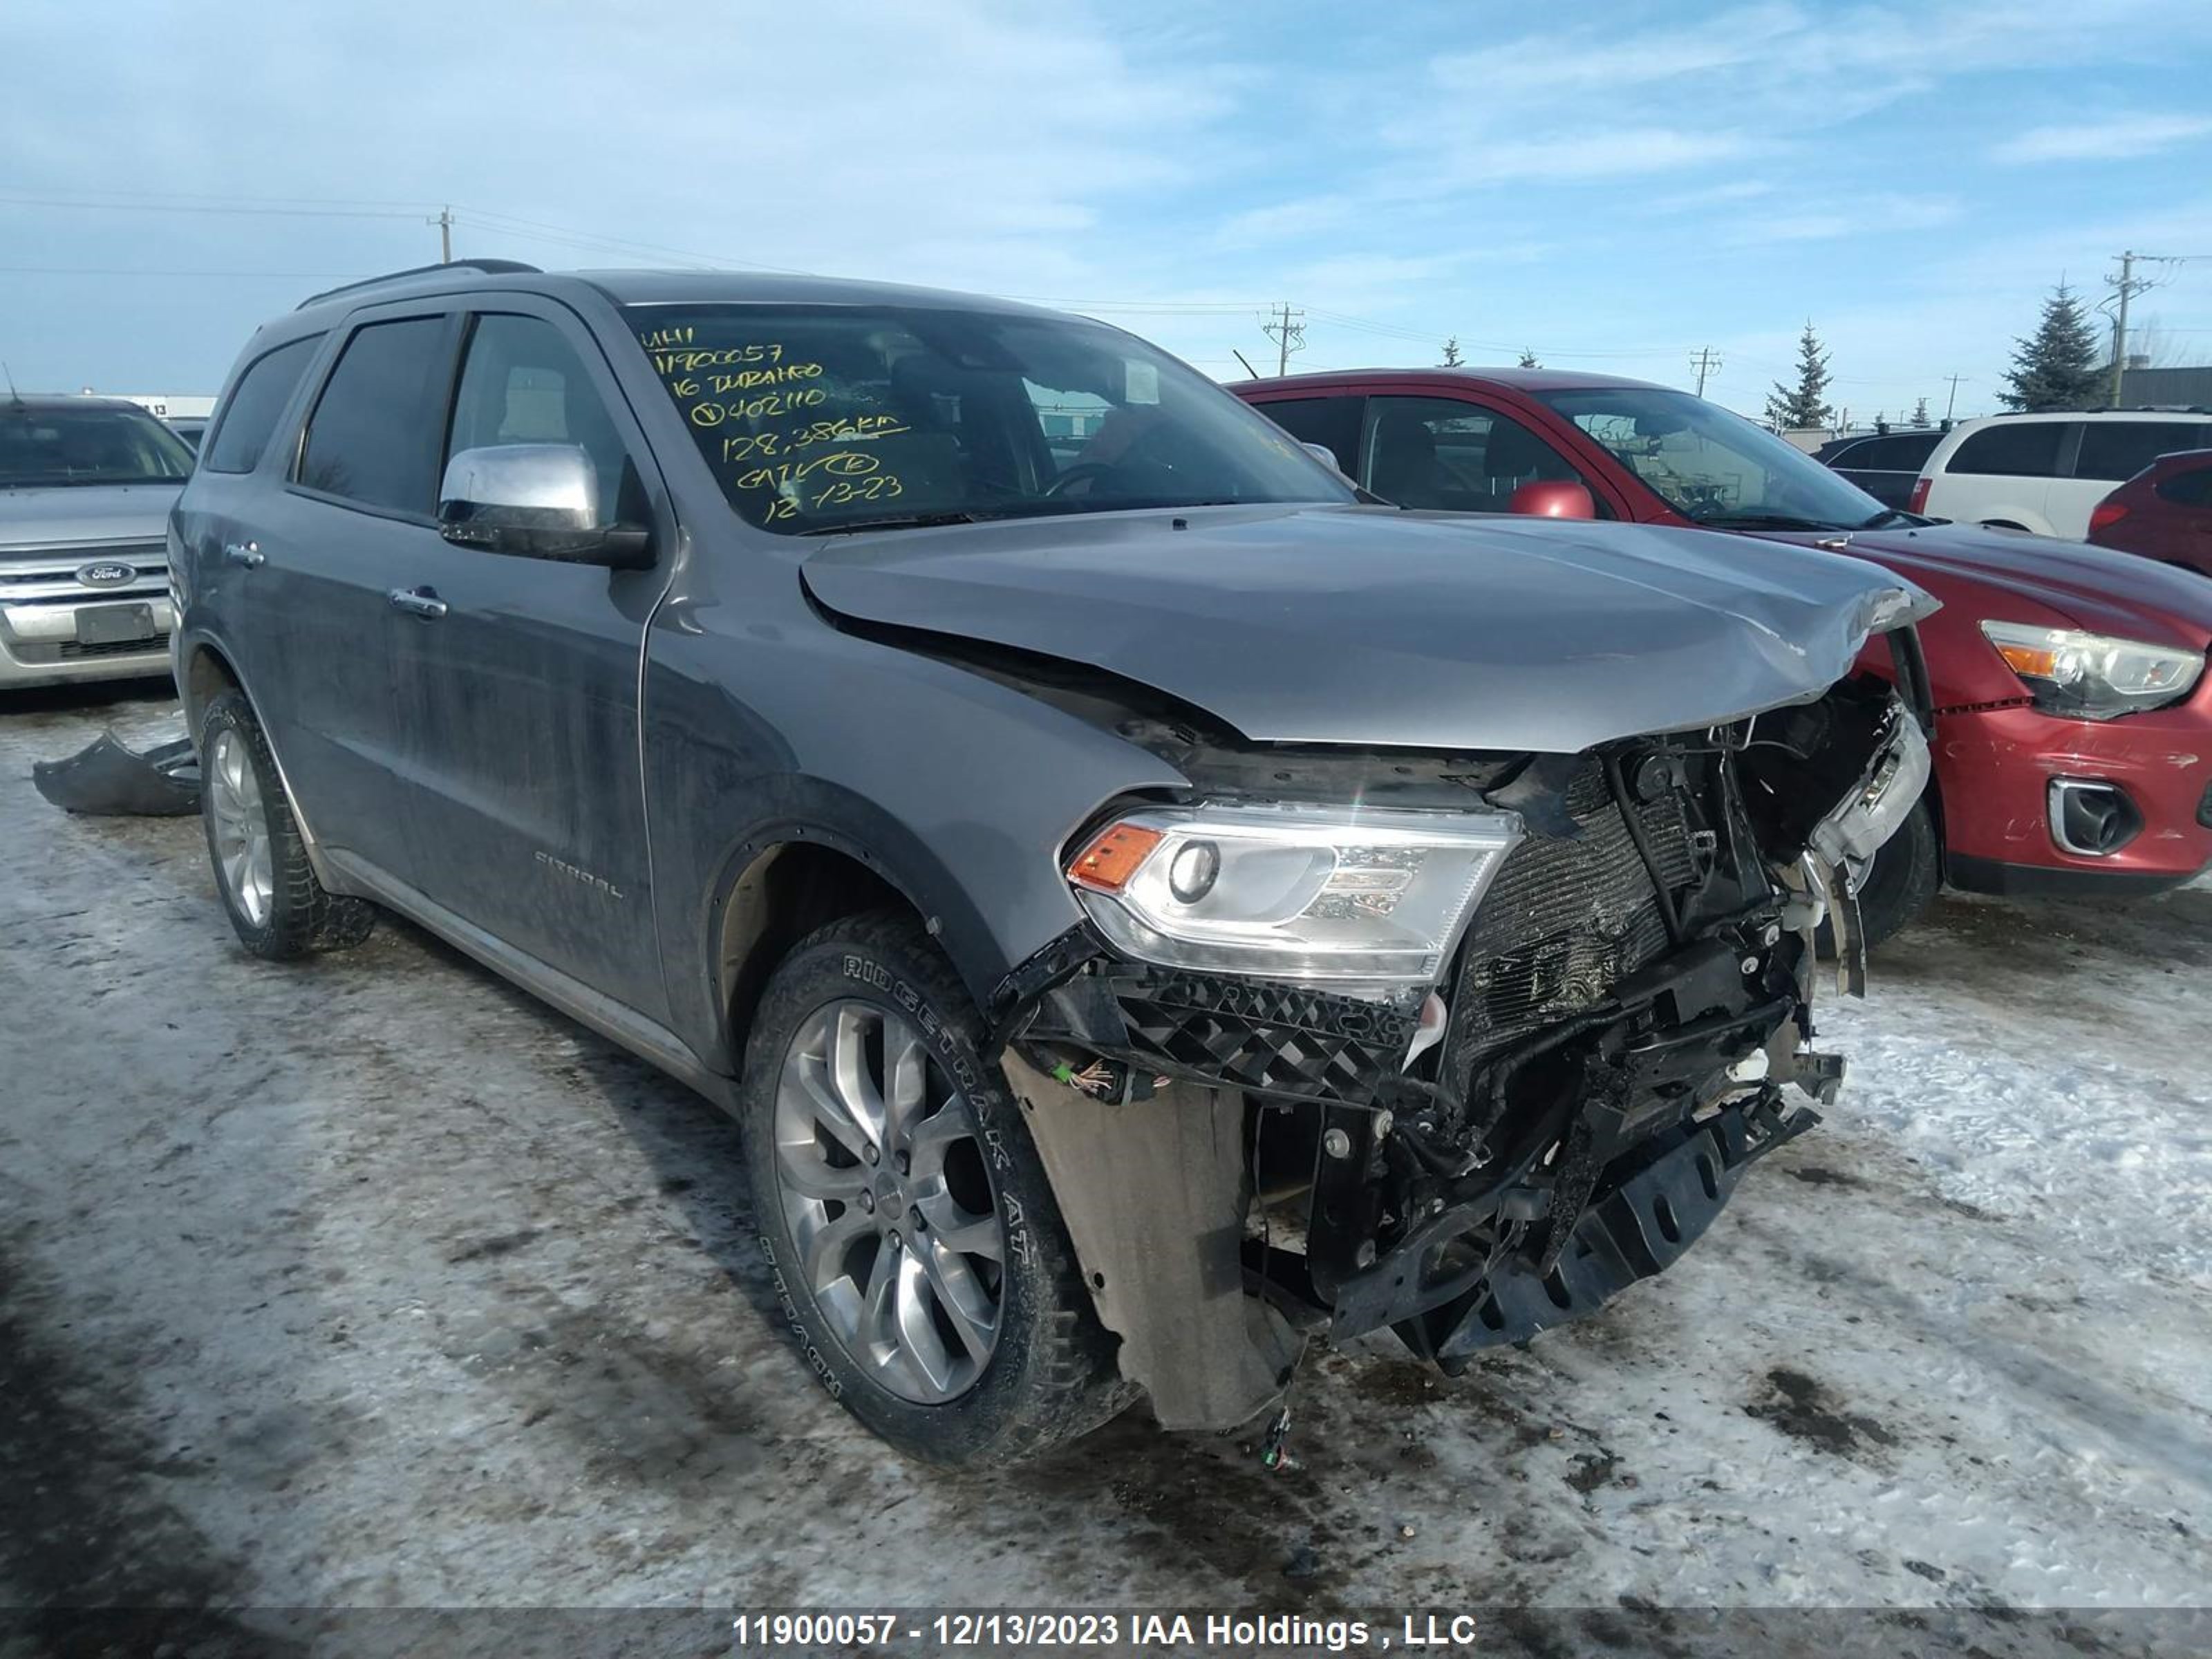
x: 1799, y: 408
x: 1920, y: 413
x: 1528, y: 358
x: 1452, y: 359
x: 2056, y: 367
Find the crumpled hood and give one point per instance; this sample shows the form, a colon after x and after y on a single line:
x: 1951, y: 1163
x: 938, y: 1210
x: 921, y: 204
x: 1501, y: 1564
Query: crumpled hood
x: 1369, y: 627
x: 94, y: 515
x: 2096, y: 587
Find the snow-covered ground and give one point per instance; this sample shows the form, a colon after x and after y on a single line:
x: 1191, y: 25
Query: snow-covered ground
x: 373, y: 1282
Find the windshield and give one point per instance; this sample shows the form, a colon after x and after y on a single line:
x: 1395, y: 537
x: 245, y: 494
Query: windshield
x: 1713, y: 466
x: 817, y: 418
x: 43, y: 446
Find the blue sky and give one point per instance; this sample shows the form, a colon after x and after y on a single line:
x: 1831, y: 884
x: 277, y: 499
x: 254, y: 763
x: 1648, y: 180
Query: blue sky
x: 1613, y: 186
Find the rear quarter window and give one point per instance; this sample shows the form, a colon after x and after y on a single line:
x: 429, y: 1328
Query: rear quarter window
x: 2120, y: 449
x: 2025, y: 449
x: 2190, y: 489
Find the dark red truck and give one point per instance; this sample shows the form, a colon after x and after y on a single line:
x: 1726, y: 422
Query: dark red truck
x: 2074, y: 749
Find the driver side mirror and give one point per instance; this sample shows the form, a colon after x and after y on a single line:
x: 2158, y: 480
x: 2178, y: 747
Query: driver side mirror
x: 1327, y: 457
x: 535, y: 501
x: 1553, y: 498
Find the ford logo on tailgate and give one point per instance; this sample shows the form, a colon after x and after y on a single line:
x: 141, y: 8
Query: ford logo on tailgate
x: 106, y: 574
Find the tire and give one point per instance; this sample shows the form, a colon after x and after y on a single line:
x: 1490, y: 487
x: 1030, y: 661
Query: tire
x: 887, y: 1313
x: 279, y: 909
x: 1902, y: 883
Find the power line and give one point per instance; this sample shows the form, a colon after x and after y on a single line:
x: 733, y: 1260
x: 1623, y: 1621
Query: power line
x: 1707, y: 361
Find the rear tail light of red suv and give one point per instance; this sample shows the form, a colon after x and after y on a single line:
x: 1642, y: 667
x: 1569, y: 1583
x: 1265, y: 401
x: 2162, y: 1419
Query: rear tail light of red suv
x: 2107, y: 514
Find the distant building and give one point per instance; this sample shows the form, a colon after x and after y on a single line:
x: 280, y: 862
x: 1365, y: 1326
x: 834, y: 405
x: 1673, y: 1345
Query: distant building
x: 2179, y: 388
x: 163, y: 404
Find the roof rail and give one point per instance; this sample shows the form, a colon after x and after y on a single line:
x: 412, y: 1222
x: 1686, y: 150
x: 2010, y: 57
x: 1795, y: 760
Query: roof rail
x: 489, y: 267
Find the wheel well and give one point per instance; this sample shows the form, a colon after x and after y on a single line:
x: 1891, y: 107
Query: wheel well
x: 787, y: 891
x: 206, y: 676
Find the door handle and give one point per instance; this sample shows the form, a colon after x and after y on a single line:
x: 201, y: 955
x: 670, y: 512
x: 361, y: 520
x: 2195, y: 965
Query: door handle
x: 248, y: 554
x: 422, y: 602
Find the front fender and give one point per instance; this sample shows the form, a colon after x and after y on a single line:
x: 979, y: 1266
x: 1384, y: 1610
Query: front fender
x: 957, y: 791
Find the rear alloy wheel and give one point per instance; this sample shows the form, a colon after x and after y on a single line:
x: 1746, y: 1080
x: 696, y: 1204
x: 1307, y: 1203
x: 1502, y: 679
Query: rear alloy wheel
x: 275, y: 905
x: 917, y: 1252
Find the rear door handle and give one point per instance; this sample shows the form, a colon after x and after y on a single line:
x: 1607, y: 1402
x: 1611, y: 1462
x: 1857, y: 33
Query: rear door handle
x: 422, y: 602
x: 248, y: 554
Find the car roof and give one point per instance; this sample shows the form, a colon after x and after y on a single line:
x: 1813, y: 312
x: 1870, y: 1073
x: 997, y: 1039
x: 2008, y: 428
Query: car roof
x: 1514, y: 380
x: 68, y: 400
x: 2029, y: 417
x: 628, y: 287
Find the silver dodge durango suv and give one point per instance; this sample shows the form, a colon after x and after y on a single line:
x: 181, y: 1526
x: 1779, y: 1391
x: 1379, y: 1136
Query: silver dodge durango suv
x: 1146, y: 905
x: 86, y: 486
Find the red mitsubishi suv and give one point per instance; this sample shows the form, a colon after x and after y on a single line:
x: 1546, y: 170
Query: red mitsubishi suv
x: 2073, y: 747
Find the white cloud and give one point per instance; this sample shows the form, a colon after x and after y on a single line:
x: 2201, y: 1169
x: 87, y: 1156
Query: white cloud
x: 2113, y: 140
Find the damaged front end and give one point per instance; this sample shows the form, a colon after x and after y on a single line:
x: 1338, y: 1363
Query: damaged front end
x: 1461, y: 1045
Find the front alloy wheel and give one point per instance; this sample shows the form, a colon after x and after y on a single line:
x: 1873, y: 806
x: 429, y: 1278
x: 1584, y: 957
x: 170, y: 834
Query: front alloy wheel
x: 913, y: 1242
x: 885, y: 1194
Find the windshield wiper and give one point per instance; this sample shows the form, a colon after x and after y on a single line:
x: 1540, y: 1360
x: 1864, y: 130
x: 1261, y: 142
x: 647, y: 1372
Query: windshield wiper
x: 900, y: 521
x: 1890, y: 515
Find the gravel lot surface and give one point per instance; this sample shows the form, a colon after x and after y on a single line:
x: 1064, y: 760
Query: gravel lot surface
x: 372, y: 1282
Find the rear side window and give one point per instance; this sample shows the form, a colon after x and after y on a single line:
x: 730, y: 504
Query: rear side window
x: 2024, y: 449
x: 1332, y: 422
x: 375, y: 434
x: 1904, y: 454
x: 243, y: 429
x: 2190, y: 489
x: 2120, y: 449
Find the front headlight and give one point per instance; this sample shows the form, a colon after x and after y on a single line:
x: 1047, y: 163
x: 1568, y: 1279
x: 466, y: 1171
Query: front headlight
x: 2091, y: 676
x: 1372, y: 897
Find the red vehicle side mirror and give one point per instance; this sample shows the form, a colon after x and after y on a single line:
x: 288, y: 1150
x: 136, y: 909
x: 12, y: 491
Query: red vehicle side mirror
x: 1553, y: 498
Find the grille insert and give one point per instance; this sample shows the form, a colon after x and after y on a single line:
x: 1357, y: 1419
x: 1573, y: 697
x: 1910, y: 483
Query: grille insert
x: 1563, y: 922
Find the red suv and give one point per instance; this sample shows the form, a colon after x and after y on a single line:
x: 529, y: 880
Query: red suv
x: 2164, y: 512
x: 2074, y: 748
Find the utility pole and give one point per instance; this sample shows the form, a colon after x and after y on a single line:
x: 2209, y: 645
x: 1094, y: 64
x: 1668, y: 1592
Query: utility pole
x: 444, y: 224
x: 1707, y: 361
x: 2120, y: 325
x: 1952, y: 402
x: 2128, y: 284
x: 1288, y: 331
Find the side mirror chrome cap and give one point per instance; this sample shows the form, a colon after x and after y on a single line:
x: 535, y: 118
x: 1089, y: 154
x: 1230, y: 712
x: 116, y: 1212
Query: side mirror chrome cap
x: 1327, y: 457
x: 534, y: 500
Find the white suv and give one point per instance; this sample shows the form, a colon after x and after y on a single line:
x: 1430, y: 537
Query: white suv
x: 2045, y: 472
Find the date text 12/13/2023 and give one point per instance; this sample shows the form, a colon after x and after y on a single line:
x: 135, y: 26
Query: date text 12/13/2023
x: 1003, y: 1630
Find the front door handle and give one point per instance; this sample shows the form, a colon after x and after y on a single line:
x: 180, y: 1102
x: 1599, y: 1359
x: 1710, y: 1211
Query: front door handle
x: 422, y: 602
x: 248, y: 554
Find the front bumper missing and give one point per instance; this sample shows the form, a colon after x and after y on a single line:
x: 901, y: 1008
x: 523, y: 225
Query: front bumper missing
x: 1451, y: 1292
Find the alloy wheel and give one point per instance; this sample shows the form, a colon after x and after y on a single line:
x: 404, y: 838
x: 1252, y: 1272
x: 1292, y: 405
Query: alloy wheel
x: 885, y: 1189
x: 243, y: 853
